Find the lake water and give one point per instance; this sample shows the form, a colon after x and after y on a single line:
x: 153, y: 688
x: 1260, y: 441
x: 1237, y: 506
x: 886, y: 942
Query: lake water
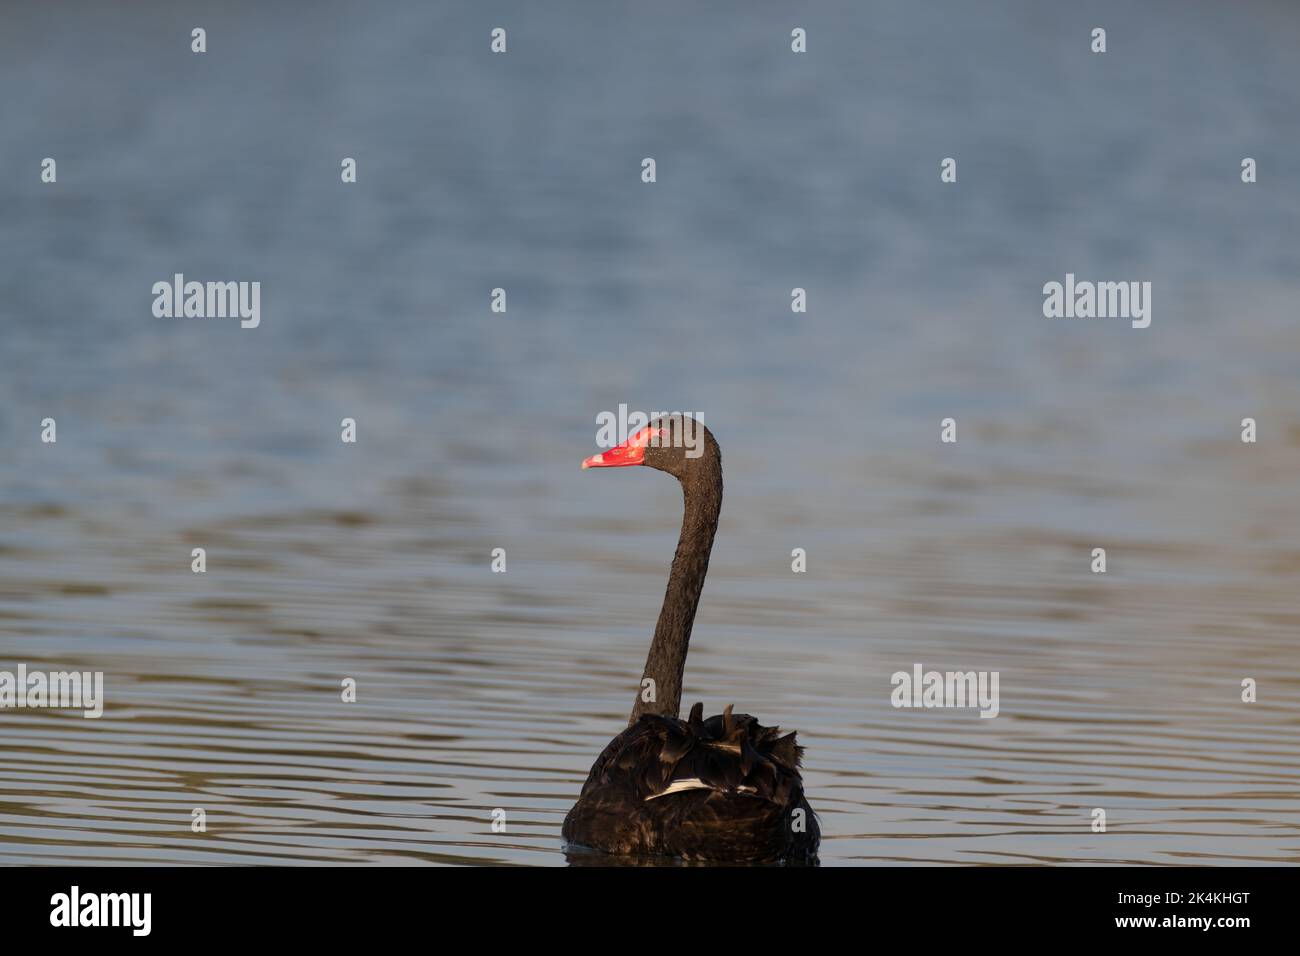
x: 480, y: 691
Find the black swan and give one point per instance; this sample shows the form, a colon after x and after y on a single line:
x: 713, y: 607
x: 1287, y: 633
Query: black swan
x: 725, y: 789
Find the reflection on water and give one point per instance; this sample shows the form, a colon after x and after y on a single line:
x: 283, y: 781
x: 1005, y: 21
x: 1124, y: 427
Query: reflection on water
x: 481, y: 691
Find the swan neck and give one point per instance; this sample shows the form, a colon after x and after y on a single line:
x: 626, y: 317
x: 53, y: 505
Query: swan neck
x: 666, y: 662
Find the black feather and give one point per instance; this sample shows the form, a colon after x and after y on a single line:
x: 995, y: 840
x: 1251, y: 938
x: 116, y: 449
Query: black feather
x: 749, y: 805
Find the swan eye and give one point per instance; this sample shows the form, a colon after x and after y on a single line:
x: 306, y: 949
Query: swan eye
x: 649, y: 436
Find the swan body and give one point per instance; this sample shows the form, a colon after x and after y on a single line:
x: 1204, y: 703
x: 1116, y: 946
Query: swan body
x: 725, y: 789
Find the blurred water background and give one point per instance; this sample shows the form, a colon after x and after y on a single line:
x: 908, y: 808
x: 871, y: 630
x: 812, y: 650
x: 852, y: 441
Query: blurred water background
x: 480, y: 691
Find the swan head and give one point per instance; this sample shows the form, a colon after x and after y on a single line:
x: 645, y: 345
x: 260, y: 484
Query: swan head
x: 677, y: 444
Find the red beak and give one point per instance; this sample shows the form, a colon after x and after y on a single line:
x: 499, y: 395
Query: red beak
x: 631, y: 452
